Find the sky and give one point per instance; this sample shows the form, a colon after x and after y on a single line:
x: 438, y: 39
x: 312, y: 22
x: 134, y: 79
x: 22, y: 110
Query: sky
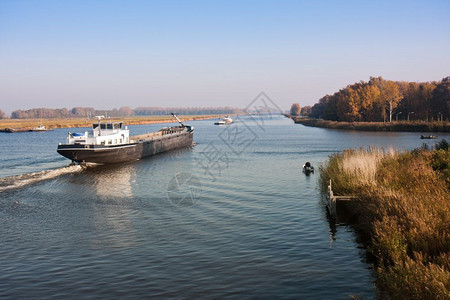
x: 108, y: 54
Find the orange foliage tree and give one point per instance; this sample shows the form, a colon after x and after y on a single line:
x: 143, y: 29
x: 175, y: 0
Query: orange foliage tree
x: 380, y: 99
x: 295, y: 109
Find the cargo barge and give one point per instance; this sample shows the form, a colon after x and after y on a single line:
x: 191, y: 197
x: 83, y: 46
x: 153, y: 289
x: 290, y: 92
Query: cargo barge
x: 110, y: 142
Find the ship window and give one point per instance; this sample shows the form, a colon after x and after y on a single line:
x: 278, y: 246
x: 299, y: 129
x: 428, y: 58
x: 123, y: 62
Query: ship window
x: 102, y: 126
x: 109, y: 142
x: 116, y: 126
x: 94, y: 126
x: 121, y: 141
x: 109, y: 126
x: 102, y: 143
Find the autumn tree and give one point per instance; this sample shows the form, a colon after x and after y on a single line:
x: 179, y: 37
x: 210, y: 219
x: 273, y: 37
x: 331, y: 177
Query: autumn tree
x: 2, y: 114
x: 295, y: 109
x: 306, y: 110
x: 389, y: 96
x: 380, y: 99
x: 426, y: 93
x: 325, y: 109
x: 411, y: 103
x: 371, y: 107
x: 348, y: 104
x: 125, y: 111
x: 83, y: 111
x: 330, y: 109
x: 440, y: 100
x: 317, y: 110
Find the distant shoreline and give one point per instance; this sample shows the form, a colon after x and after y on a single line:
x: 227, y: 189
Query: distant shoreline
x: 402, y: 126
x: 50, y: 123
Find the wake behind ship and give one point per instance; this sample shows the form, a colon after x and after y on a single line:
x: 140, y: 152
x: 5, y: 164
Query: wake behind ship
x: 110, y: 142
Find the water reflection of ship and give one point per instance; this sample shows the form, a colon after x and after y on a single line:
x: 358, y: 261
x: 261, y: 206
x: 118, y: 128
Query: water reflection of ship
x: 112, y: 212
x: 114, y: 182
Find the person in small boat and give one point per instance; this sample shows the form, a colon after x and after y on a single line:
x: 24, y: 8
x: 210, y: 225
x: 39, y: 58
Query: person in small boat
x: 307, y: 168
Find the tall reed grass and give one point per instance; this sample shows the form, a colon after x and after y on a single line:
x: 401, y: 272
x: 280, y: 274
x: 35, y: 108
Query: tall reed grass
x: 404, y: 211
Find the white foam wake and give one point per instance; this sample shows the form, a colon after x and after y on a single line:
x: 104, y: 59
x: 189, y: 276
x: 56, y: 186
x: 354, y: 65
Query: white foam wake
x: 17, y: 181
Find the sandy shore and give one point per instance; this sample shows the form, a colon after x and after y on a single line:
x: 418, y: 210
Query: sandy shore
x: 26, y: 124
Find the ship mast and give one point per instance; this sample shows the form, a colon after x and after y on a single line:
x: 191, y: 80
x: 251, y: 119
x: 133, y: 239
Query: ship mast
x: 99, y: 126
x: 179, y: 121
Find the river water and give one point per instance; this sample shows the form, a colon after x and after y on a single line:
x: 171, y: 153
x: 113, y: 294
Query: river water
x: 231, y: 217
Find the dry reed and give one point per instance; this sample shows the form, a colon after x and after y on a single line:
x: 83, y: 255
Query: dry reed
x: 405, y: 213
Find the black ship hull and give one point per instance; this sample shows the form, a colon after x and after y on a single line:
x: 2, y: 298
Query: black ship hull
x: 107, y: 154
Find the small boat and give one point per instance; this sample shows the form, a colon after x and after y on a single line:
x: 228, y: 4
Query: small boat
x: 307, y: 168
x: 14, y: 130
x: 428, y: 137
x: 110, y: 142
x: 40, y: 128
x: 225, y: 121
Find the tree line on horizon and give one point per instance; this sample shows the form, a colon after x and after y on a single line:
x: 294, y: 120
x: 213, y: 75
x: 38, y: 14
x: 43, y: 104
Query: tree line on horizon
x: 380, y: 100
x: 124, y: 111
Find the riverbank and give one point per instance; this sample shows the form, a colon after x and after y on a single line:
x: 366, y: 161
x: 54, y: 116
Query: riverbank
x: 27, y: 124
x: 403, y: 214
x: 416, y: 126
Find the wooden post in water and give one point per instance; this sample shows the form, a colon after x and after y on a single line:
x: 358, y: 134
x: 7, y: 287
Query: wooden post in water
x: 333, y: 199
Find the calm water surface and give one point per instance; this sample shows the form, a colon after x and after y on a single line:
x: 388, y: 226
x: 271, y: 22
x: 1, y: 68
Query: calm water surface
x: 231, y: 217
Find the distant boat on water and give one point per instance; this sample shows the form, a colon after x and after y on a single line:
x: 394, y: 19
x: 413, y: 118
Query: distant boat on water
x: 40, y: 128
x: 13, y: 130
x: 25, y: 129
x: 225, y: 121
x: 428, y: 137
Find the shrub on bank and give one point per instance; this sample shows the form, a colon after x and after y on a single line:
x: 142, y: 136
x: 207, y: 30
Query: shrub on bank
x: 417, y: 126
x: 404, y: 209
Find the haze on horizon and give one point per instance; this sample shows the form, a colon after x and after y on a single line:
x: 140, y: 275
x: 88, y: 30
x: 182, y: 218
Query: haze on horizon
x: 108, y: 54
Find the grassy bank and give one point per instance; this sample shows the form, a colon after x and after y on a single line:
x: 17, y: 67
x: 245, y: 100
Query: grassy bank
x: 416, y: 126
x: 83, y: 122
x: 403, y: 213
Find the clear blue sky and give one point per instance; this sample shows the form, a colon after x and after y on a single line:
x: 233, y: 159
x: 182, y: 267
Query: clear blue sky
x: 107, y: 54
